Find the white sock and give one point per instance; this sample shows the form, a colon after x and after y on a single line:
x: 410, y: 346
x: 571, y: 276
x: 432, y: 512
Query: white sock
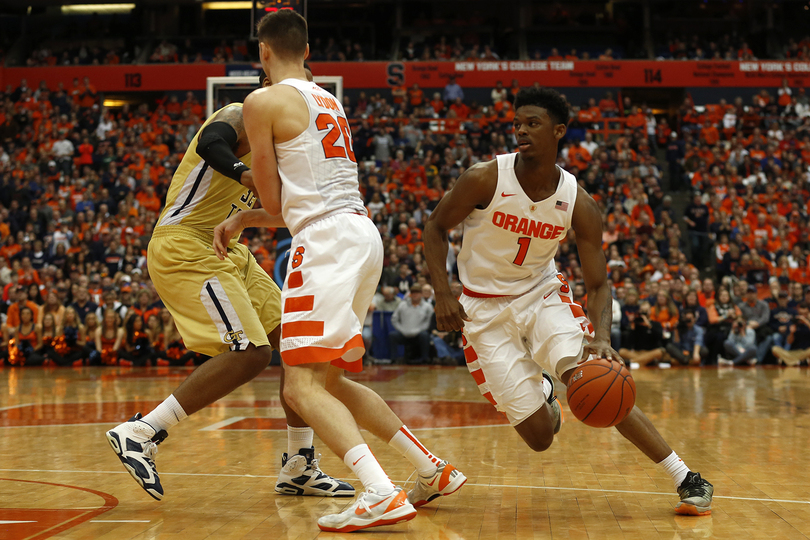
x: 368, y: 470
x: 548, y: 388
x: 298, y: 438
x: 165, y: 415
x: 675, y: 467
x: 410, y: 447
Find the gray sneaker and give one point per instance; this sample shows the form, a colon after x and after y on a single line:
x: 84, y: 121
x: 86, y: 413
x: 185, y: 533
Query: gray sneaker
x: 696, y: 496
x: 445, y: 481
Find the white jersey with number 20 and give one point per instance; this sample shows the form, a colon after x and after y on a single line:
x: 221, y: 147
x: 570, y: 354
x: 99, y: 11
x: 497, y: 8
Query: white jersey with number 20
x: 318, y: 169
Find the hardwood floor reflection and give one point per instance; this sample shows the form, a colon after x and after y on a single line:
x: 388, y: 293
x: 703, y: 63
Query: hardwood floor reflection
x: 746, y: 430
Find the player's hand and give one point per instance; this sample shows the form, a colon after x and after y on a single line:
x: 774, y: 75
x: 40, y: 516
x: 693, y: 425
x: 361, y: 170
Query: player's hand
x: 247, y: 180
x: 600, y: 348
x: 224, y: 232
x: 450, y: 314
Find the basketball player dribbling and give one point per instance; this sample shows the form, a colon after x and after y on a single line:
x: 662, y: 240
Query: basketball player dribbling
x: 301, y: 140
x: 226, y: 309
x: 516, y: 312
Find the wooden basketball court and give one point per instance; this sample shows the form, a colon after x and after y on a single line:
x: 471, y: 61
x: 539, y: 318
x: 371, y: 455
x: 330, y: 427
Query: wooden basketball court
x: 746, y: 430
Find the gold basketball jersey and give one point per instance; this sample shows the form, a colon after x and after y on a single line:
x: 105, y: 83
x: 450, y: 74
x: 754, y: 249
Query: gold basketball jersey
x: 200, y: 197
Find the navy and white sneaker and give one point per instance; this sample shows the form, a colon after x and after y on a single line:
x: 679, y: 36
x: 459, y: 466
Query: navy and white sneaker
x: 135, y: 443
x: 300, y: 475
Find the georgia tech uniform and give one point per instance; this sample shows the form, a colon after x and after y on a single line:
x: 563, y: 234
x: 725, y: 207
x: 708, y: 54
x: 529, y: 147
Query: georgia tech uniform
x: 209, y: 298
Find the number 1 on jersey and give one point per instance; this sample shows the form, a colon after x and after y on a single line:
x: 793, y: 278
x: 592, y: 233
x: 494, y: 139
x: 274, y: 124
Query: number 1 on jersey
x: 522, y: 250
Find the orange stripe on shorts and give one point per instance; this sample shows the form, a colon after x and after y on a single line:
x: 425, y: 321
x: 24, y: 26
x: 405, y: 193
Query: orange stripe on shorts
x: 301, y: 329
x: 478, y: 375
x: 577, y: 310
x: 295, y: 280
x: 469, y: 354
x: 299, y: 303
x: 489, y: 397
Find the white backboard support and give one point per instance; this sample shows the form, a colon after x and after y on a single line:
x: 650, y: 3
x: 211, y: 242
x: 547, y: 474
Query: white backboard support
x: 248, y: 84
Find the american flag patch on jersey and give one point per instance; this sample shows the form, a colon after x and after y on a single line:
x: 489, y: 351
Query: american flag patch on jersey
x: 561, y: 206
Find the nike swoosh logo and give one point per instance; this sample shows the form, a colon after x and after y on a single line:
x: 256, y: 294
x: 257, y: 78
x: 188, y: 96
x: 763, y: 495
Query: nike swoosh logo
x: 549, y: 294
x: 360, y: 510
x: 504, y: 194
x: 433, y: 481
x: 378, y: 504
x: 358, y: 459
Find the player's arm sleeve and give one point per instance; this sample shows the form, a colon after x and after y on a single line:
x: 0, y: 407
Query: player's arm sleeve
x: 216, y: 145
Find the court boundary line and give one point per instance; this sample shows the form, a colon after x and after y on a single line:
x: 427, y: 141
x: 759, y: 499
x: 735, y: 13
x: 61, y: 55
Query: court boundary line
x: 401, y: 482
x: 20, y: 406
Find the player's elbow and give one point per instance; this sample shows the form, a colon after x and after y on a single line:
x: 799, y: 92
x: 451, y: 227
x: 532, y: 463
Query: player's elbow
x: 272, y: 207
x: 433, y: 230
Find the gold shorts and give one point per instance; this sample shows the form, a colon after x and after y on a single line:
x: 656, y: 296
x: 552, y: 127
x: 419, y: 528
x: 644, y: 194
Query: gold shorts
x: 218, y: 306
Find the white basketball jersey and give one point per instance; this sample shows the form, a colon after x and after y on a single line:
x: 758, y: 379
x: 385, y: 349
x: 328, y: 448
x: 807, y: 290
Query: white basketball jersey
x: 318, y: 169
x: 509, y: 246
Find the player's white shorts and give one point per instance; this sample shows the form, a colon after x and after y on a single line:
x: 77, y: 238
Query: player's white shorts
x: 511, y: 339
x: 332, y: 274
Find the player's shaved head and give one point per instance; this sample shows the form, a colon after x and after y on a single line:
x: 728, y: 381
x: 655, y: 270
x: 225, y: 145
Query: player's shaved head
x: 285, y: 32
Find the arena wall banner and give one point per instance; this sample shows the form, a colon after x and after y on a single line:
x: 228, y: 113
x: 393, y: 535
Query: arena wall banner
x: 483, y: 74
x: 566, y: 73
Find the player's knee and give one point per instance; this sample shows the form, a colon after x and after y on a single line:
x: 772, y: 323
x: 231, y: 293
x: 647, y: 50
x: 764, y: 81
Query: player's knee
x: 537, y: 431
x: 541, y: 441
x: 256, y: 359
x: 291, y: 395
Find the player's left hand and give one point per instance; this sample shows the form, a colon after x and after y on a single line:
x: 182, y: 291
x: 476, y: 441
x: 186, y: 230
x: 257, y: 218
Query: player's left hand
x: 224, y: 232
x: 601, y: 349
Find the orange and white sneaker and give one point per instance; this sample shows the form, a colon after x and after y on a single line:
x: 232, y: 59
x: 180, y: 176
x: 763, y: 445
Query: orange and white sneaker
x: 370, y: 510
x: 445, y: 481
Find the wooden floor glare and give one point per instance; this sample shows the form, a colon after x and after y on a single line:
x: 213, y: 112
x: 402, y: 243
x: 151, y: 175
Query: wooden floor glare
x: 745, y: 430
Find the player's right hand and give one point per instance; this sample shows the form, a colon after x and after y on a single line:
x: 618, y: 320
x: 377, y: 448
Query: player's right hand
x: 450, y: 314
x: 224, y: 232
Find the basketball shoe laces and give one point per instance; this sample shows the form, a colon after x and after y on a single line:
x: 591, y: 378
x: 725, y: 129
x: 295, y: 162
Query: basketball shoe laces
x: 150, y: 447
x: 315, y: 466
x: 361, y: 500
x: 695, y: 488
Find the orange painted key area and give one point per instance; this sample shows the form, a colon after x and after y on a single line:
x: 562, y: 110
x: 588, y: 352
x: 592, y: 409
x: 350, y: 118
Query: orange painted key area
x: 746, y: 430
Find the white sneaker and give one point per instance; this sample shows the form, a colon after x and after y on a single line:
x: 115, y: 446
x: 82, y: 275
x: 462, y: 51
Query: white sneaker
x: 300, y: 475
x: 445, y: 481
x: 135, y: 443
x: 724, y: 361
x: 370, y: 510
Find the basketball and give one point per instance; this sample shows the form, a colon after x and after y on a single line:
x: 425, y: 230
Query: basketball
x: 601, y: 393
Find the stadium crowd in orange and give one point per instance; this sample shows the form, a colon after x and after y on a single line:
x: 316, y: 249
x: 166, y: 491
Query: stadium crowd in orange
x: 82, y: 186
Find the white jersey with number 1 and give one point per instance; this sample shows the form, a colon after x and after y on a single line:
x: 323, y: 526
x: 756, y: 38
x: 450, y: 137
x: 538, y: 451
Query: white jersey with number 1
x: 509, y: 246
x: 315, y: 185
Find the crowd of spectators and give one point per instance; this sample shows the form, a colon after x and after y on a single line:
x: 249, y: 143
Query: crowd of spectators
x: 441, y: 48
x: 82, y: 53
x: 81, y: 187
x: 201, y: 51
x: 727, y: 48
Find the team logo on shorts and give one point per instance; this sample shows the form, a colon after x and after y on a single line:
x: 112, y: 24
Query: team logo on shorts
x: 234, y: 336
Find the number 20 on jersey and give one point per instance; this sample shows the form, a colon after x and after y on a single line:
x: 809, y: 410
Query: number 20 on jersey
x: 338, y: 126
